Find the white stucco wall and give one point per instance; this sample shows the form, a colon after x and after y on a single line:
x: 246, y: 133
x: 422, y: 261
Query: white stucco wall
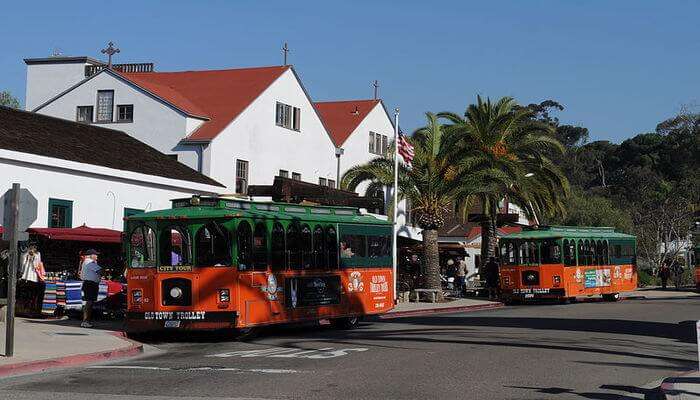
x: 44, y: 81
x: 155, y: 123
x: 99, y: 196
x: 255, y: 138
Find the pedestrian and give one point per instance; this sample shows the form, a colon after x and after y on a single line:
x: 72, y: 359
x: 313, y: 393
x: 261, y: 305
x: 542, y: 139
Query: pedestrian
x: 90, y: 275
x: 460, y: 276
x: 664, y: 274
x: 492, y: 278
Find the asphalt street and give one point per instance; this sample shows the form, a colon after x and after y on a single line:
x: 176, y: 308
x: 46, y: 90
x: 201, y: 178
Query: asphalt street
x: 578, y: 351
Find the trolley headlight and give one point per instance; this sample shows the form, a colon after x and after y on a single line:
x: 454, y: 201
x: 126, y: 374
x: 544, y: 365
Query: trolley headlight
x: 176, y: 292
x: 556, y: 279
x: 224, y: 296
x: 136, y: 296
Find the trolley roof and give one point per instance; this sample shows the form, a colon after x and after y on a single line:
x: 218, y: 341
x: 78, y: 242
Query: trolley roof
x: 559, y: 232
x: 214, y: 207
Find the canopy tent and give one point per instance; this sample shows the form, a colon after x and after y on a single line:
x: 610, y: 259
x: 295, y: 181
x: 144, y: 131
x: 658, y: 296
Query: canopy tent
x: 80, y: 234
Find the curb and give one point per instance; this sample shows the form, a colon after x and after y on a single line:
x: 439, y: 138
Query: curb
x: 132, y: 349
x: 427, y: 311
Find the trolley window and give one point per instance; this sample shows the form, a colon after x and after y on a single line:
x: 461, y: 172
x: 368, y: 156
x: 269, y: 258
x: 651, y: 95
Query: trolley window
x: 142, y: 247
x: 175, y: 246
x: 551, y: 252
x: 319, y: 248
x: 378, y: 246
x: 332, y: 247
x: 277, y: 244
x: 245, y: 244
x: 353, y: 246
x: 260, y: 247
x: 569, y: 252
x: 213, y: 245
x: 307, y: 247
x: 294, y: 246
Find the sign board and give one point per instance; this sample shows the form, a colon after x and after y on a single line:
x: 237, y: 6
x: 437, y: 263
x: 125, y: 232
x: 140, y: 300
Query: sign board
x: 27, y: 212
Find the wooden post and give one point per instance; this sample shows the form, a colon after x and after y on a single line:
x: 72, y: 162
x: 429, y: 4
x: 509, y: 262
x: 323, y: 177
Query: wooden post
x: 12, y: 271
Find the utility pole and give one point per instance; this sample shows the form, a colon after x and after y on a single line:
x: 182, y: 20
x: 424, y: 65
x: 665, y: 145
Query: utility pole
x: 12, y: 263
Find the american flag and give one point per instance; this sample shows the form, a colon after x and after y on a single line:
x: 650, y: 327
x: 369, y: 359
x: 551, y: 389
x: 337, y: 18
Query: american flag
x: 405, y: 149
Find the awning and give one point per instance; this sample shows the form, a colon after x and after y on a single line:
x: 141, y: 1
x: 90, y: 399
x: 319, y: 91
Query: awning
x: 79, y: 234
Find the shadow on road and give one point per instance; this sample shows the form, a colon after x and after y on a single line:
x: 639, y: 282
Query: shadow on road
x: 649, y: 394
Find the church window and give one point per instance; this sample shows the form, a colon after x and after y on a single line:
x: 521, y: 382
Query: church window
x: 84, y: 114
x: 287, y: 116
x: 241, y: 176
x: 125, y: 113
x: 105, y: 105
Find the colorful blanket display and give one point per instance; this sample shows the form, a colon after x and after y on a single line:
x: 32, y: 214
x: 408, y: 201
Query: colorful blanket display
x: 68, y: 296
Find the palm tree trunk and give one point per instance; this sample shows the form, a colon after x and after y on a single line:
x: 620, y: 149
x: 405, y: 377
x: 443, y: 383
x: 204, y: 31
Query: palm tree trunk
x: 431, y: 259
x: 488, y: 241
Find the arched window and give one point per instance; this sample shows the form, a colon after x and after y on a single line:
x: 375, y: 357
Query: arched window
x: 245, y: 246
x: 143, y: 247
x: 307, y: 247
x: 599, y: 253
x: 319, y: 248
x: 294, y: 246
x: 551, y: 252
x: 581, y: 253
x: 332, y: 247
x: 175, y: 246
x: 277, y: 243
x: 260, y: 247
x: 512, y: 253
x: 588, y: 252
x: 569, y: 252
x: 534, y: 253
x: 212, y: 245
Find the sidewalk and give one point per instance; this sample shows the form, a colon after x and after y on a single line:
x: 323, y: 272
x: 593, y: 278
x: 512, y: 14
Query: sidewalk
x: 42, y: 344
x: 458, y: 305
x: 658, y: 293
x: 686, y: 386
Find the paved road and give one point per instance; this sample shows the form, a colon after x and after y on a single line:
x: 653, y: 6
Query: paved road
x: 581, y: 351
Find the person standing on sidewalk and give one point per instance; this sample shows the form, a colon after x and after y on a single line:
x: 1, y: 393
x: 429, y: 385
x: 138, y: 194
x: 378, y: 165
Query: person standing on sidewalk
x: 90, y: 275
x: 460, y: 276
x: 664, y: 273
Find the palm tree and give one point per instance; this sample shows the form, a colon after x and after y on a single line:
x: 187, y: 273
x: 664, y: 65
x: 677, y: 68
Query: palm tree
x: 507, y: 137
x: 435, y: 185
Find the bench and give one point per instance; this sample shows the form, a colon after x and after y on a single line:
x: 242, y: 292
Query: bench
x: 433, y: 292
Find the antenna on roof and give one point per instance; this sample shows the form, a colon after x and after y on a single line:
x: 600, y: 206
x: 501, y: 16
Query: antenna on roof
x: 285, y: 50
x: 376, y: 88
x: 56, y: 52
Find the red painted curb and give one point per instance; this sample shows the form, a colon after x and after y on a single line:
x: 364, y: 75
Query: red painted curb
x: 133, y: 349
x: 411, y: 313
x: 668, y: 386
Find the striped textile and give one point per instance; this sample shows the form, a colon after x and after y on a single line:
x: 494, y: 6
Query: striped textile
x: 103, y: 292
x: 48, y: 306
x: 60, y: 294
x: 74, y: 297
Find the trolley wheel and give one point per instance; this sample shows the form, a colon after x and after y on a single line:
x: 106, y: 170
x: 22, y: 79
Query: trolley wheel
x: 346, y: 322
x: 564, y: 300
x: 611, y: 297
x: 244, y: 333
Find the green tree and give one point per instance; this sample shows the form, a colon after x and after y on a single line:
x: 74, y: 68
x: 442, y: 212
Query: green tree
x: 8, y: 100
x: 435, y: 185
x: 504, y: 137
x: 586, y: 209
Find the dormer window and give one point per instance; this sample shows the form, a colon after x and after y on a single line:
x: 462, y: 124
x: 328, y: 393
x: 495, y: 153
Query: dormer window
x: 287, y: 116
x: 105, y: 105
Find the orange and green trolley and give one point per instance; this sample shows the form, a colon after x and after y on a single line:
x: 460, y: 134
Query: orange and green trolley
x: 216, y: 263
x: 564, y: 262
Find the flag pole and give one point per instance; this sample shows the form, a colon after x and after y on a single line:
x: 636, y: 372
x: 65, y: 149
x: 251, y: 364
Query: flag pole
x: 395, y: 225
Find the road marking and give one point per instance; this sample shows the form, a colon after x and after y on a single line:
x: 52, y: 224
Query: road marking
x: 195, y: 369
x: 285, y: 352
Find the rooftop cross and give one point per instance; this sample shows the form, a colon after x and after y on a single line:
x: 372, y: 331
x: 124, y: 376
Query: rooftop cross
x: 376, y: 88
x: 285, y: 50
x: 110, y: 51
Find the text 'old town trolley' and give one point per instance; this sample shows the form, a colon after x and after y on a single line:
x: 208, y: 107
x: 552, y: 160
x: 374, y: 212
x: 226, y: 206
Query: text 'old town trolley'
x: 213, y: 263
x: 560, y: 262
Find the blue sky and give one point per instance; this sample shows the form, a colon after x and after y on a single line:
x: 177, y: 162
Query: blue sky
x: 619, y: 67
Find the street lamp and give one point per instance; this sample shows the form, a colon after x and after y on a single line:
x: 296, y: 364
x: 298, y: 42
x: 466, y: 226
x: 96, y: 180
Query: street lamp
x: 338, y: 152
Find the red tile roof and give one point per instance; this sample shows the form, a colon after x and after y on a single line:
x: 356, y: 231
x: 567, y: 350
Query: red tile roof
x: 218, y: 95
x: 342, y: 117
